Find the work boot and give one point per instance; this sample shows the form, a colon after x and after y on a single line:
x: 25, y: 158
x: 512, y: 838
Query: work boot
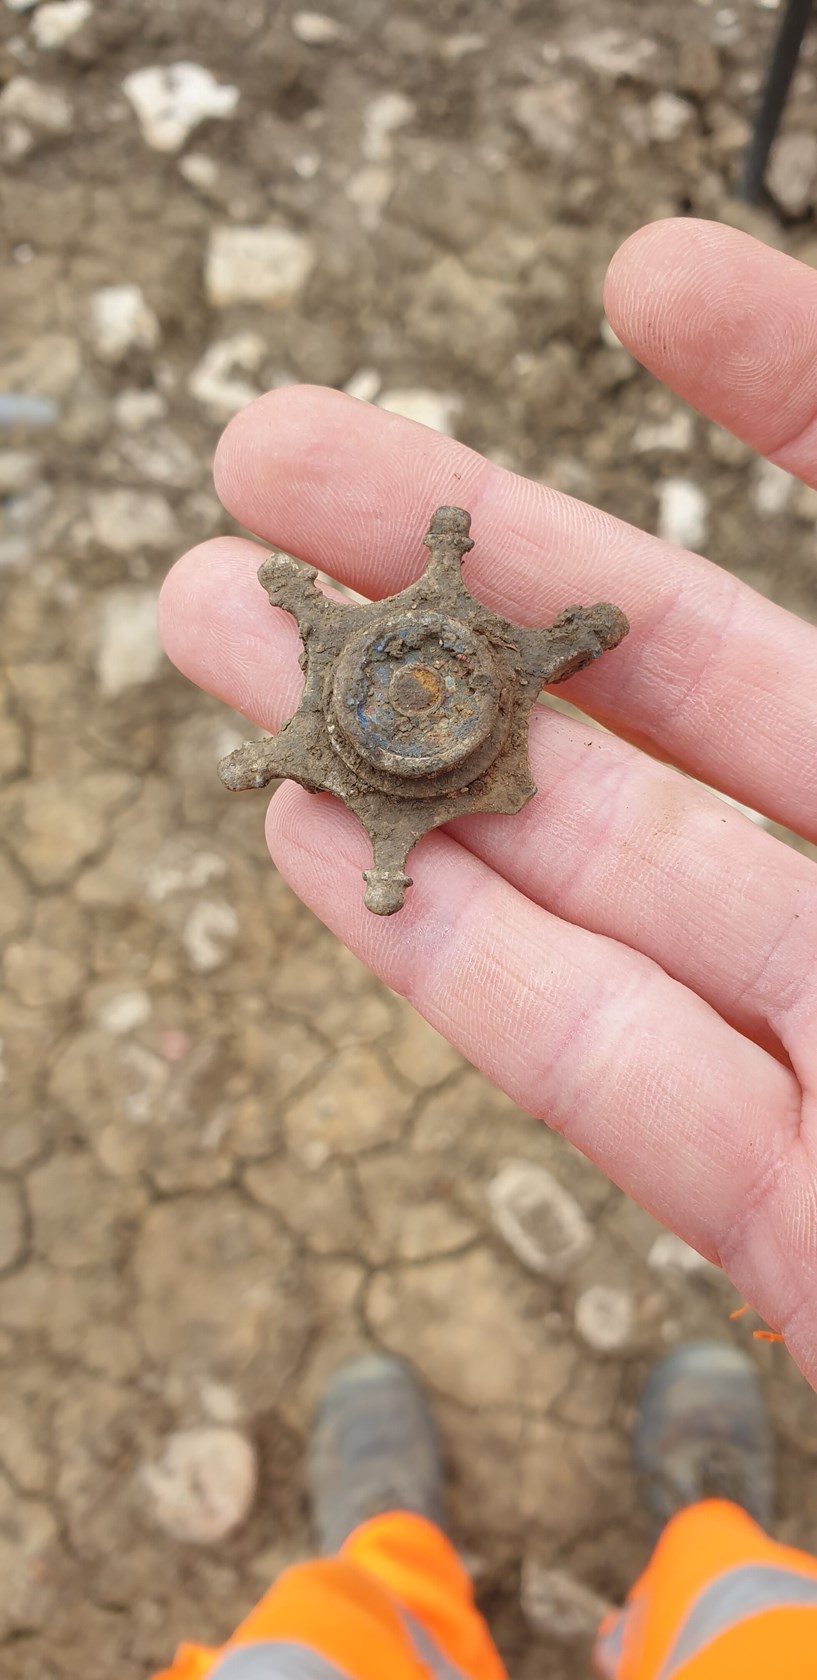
x: 702, y: 1432
x: 374, y: 1449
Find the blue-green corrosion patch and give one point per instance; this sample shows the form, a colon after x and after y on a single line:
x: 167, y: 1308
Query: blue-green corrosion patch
x: 418, y: 699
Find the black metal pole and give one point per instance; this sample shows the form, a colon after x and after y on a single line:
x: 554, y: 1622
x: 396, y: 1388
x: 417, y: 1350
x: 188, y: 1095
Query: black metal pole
x: 784, y: 63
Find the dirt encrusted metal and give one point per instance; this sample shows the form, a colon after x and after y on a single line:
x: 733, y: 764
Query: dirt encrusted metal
x: 414, y: 709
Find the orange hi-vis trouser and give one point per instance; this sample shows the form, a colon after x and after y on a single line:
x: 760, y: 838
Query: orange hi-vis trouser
x: 718, y: 1601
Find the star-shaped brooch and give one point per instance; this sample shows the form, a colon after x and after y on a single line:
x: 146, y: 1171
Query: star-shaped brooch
x: 414, y: 709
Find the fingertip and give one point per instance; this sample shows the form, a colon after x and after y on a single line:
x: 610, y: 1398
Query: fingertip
x: 287, y: 425
x: 217, y: 629
x: 631, y: 254
x: 196, y: 587
x: 177, y: 592
x: 642, y: 276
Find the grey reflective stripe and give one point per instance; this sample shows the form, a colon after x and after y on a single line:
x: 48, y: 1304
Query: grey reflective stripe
x: 736, y: 1597
x: 280, y: 1659
x: 609, y: 1648
x: 429, y: 1653
x: 276, y: 1659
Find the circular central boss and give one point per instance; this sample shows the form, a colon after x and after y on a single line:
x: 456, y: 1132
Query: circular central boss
x: 414, y: 689
x: 417, y: 695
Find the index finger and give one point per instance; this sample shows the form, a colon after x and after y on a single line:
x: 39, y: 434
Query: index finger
x: 711, y: 676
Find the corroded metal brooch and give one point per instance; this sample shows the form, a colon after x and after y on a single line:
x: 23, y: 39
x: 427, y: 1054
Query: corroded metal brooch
x: 414, y: 709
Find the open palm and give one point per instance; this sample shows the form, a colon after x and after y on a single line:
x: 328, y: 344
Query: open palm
x: 629, y: 958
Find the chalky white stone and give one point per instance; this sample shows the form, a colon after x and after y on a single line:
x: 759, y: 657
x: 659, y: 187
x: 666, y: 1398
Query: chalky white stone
x: 122, y: 321
x: 136, y: 410
x: 37, y: 103
x: 792, y: 173
x: 550, y: 115
x: 612, y: 53
x: 669, y: 116
x: 218, y: 380
x: 437, y: 409
x: 123, y: 1012
x: 171, y: 100
x: 539, y: 1220
x: 126, y: 521
x: 199, y: 170
x: 683, y: 513
x: 202, y: 1487
x: 207, y: 933
x: 364, y: 384
x: 128, y: 651
x: 56, y: 24
x: 605, y: 1318
x: 382, y: 117
x: 772, y: 487
x: 671, y: 1254
x: 315, y: 29
x: 264, y: 265
x: 674, y: 434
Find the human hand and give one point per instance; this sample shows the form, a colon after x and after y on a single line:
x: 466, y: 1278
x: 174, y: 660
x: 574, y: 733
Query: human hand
x: 629, y: 958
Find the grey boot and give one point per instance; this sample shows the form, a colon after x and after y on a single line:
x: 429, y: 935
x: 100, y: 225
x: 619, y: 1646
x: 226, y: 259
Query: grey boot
x: 374, y: 1449
x: 702, y: 1433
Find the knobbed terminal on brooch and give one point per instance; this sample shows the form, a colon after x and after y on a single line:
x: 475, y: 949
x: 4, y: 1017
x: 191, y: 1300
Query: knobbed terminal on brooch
x: 414, y: 709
